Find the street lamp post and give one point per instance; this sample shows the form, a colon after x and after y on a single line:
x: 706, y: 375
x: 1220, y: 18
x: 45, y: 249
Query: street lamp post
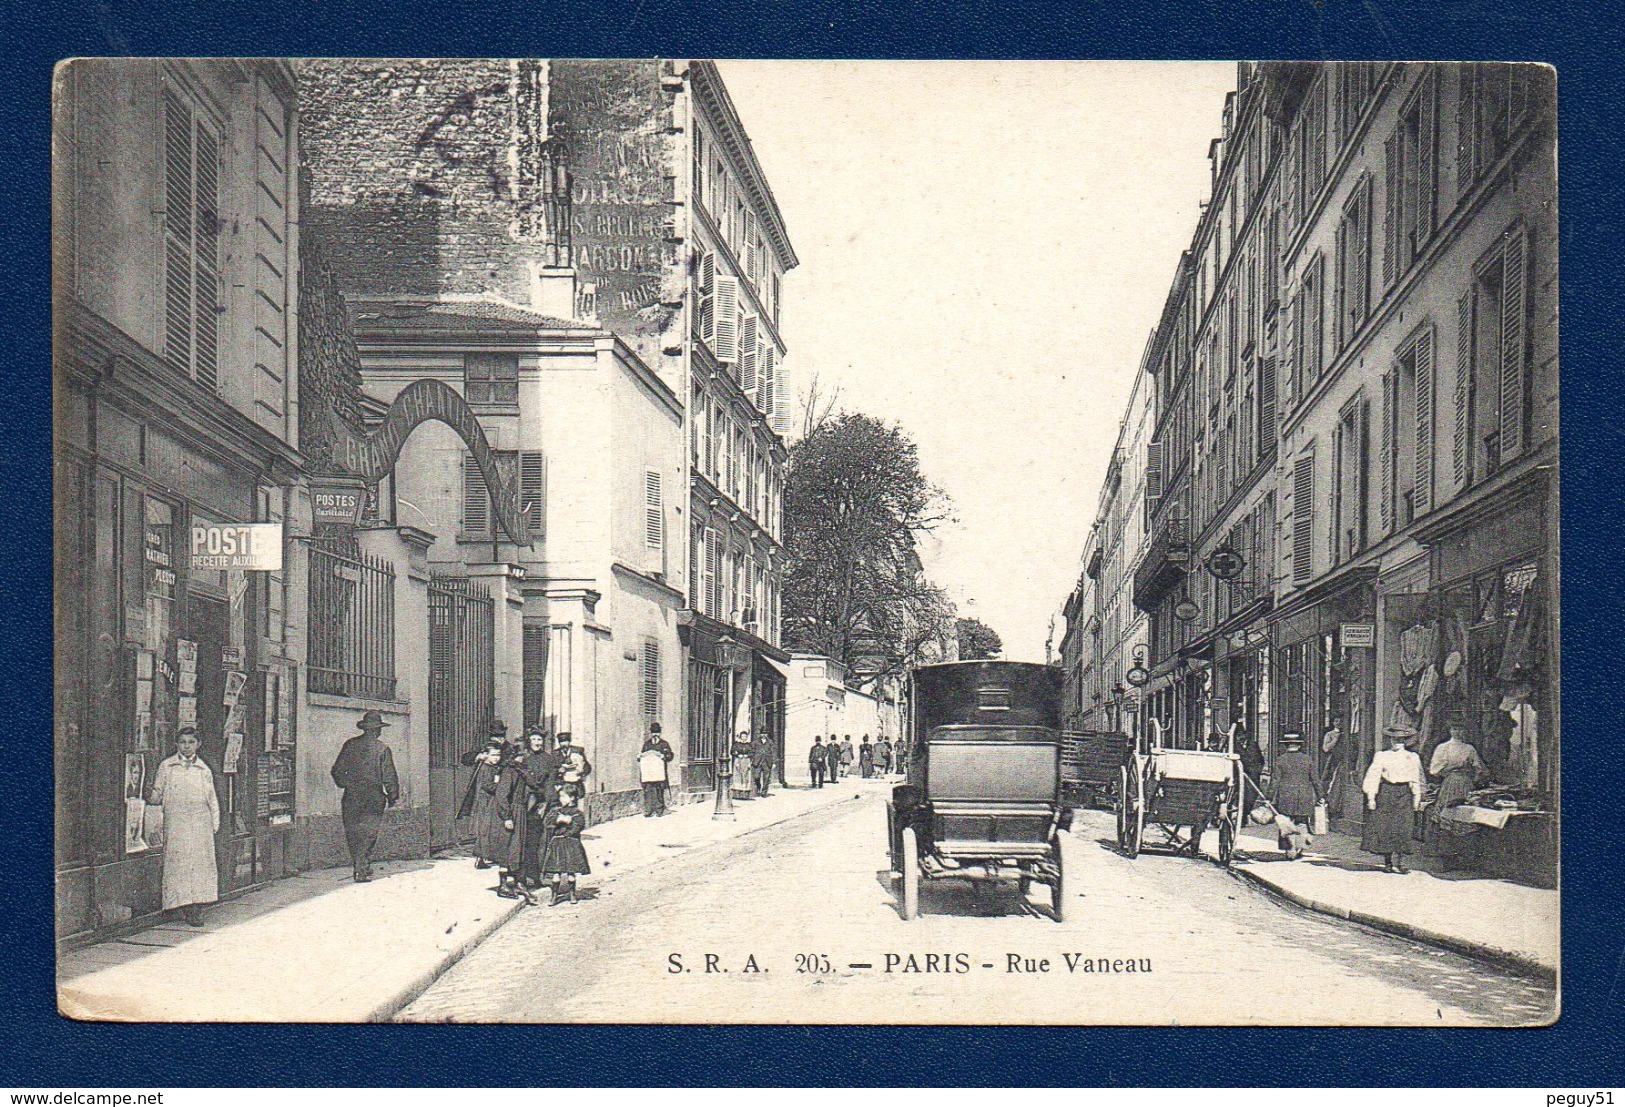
x: 724, y: 808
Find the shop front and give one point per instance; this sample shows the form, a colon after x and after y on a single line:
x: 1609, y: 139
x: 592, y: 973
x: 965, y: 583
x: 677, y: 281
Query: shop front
x: 734, y: 688
x: 162, y: 625
x: 1475, y: 656
x: 1322, y: 683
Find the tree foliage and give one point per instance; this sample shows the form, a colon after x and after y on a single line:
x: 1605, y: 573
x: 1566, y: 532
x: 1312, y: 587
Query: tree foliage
x: 977, y: 640
x: 854, y: 588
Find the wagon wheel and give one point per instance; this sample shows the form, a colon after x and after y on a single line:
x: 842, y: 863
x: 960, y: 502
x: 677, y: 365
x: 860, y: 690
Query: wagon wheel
x: 891, y: 842
x: 1227, y: 839
x: 911, y: 873
x: 1120, y: 807
x: 1135, y: 819
x: 1058, y: 887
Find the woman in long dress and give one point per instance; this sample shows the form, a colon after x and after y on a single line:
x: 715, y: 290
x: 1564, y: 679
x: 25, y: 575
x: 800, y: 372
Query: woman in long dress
x: 184, y: 787
x: 1393, y: 796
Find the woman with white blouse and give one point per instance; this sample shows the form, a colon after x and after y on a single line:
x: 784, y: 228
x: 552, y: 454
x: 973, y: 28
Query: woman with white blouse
x: 1393, y: 795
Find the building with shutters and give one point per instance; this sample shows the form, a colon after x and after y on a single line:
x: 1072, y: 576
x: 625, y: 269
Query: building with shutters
x: 589, y: 253
x: 177, y: 414
x: 1350, y: 492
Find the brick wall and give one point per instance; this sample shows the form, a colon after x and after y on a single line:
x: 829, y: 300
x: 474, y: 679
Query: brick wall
x: 415, y: 172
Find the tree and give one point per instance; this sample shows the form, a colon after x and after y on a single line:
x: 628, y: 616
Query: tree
x: 854, y: 588
x: 977, y: 640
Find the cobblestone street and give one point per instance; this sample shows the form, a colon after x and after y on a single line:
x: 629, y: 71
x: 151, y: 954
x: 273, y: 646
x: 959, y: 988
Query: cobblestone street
x: 802, y: 923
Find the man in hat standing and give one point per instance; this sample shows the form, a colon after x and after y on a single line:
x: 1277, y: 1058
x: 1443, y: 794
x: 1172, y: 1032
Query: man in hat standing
x: 653, y: 770
x: 365, y: 770
x: 1297, y: 788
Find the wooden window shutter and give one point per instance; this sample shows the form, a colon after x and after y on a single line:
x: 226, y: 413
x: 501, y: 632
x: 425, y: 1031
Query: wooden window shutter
x: 713, y: 571
x: 1362, y: 254
x: 705, y: 299
x: 654, y: 511
x: 651, y: 679
x: 476, y: 500
x: 1427, y: 160
x: 1266, y: 404
x: 1391, y: 207
x: 1390, y: 443
x: 726, y: 345
x: 1303, y: 517
x: 1153, y: 473
x: 1338, y: 525
x: 1289, y: 372
x: 1514, y: 279
x: 1461, y: 454
x: 206, y: 240
x: 533, y: 491
x: 177, y: 234
x: 1426, y: 421
x: 767, y: 398
x: 747, y: 355
x: 534, y: 664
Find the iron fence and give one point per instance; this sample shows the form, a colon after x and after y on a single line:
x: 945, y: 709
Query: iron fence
x: 352, y: 622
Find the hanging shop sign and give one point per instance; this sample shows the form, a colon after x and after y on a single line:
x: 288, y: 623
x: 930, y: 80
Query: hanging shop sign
x: 1138, y: 676
x: 1357, y: 634
x: 337, y: 503
x: 251, y: 546
x: 1225, y: 563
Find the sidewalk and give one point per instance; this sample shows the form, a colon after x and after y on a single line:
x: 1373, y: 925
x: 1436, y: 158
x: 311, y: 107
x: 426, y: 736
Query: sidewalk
x: 318, y: 947
x: 1495, y: 920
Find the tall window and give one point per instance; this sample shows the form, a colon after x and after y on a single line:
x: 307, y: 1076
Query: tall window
x: 1412, y: 180
x: 191, y: 241
x: 1351, y: 481
x: 1308, y: 329
x: 1354, y: 264
x: 650, y: 690
x: 1407, y: 434
x: 1303, y: 518
x: 1492, y: 404
x: 1355, y: 82
x: 491, y: 378
x: 1496, y: 99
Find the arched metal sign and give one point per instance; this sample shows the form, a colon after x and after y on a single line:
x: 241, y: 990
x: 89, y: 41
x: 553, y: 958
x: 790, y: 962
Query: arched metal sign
x: 372, y: 456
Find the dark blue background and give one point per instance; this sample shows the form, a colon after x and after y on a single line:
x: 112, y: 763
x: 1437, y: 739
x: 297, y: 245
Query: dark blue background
x: 1584, y: 1050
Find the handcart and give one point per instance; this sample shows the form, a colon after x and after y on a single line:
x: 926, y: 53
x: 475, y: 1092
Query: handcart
x: 1091, y: 766
x: 1175, y: 793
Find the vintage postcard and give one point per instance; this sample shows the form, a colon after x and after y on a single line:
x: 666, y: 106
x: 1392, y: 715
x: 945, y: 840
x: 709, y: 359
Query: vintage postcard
x: 687, y: 541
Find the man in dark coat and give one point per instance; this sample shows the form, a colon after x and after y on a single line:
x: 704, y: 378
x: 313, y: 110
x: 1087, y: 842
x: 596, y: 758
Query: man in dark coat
x: 654, y: 771
x: 883, y: 760
x: 365, y: 770
x: 817, y: 761
x: 1296, y: 787
x: 533, y: 794
x: 761, y: 764
x: 480, y: 797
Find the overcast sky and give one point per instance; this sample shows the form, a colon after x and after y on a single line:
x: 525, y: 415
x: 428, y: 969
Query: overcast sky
x: 984, y: 250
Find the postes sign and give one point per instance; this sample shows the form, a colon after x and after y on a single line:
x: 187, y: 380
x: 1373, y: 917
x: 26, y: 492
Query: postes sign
x: 254, y: 546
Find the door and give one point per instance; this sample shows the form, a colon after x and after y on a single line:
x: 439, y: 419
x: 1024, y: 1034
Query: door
x: 462, y: 694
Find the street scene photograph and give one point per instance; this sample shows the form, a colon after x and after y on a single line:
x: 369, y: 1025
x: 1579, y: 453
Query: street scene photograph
x: 684, y: 541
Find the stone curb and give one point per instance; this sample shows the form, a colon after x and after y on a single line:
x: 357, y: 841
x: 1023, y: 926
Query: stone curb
x: 1477, y: 950
x: 385, y: 1010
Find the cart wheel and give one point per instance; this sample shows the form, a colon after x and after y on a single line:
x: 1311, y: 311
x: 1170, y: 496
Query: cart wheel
x: 911, y: 873
x: 1227, y: 840
x: 1120, y: 806
x: 1058, y: 889
x: 1136, y: 817
x: 891, y: 841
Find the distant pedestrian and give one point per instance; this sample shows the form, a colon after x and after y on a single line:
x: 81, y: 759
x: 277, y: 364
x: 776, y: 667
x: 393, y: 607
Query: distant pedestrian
x: 849, y: 755
x: 365, y: 769
x: 531, y: 795
x: 761, y: 765
x: 184, y: 788
x: 566, y: 857
x: 832, y: 760
x: 1296, y: 789
x: 743, y: 785
x: 654, y: 772
x: 480, y: 799
x: 866, y: 758
x: 1393, y: 796
x: 883, y: 755
x: 817, y: 761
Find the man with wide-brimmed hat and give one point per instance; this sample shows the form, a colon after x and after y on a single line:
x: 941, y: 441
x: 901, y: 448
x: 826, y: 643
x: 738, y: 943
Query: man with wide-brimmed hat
x: 1295, y: 788
x: 365, y: 770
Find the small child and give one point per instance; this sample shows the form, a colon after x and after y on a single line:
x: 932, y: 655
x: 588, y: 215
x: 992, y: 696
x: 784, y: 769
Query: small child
x: 565, y: 855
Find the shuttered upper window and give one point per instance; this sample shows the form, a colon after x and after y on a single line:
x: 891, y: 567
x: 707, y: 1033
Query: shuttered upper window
x: 1492, y: 379
x: 654, y: 511
x: 476, y: 501
x: 533, y: 491
x: 191, y: 241
x: 650, y: 690
x: 1412, y: 180
x: 1303, y: 518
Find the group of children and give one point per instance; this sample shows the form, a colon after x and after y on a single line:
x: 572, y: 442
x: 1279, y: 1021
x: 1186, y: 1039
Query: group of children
x: 526, y: 804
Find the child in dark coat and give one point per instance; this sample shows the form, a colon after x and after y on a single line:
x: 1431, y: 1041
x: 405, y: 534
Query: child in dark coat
x: 565, y: 855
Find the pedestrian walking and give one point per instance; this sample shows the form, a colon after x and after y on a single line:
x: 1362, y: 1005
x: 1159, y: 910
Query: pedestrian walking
x: 817, y: 761
x: 849, y: 755
x: 866, y: 758
x: 744, y: 785
x: 365, y: 769
x: 1393, y: 796
x: 1296, y: 789
x: 761, y: 766
x: 531, y: 795
x: 832, y: 760
x: 480, y: 798
x: 883, y: 755
x: 184, y: 787
x: 654, y: 762
x: 566, y: 857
